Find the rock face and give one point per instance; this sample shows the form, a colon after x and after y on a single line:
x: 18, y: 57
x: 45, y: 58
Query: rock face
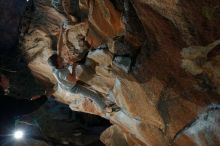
x: 170, y: 94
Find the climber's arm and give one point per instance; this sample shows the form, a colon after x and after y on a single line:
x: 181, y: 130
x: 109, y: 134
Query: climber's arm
x: 72, y: 76
x: 60, y: 41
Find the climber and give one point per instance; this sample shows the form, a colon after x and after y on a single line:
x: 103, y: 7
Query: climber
x: 68, y: 81
x: 11, y: 107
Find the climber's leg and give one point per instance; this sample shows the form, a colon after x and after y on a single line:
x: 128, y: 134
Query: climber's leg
x: 78, y: 89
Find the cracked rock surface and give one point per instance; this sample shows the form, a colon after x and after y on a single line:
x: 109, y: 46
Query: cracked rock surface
x: 174, y: 72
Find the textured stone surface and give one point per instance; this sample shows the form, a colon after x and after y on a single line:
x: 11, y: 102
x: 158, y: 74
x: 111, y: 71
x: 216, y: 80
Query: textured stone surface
x: 204, y: 130
x: 105, y: 22
x: 123, y: 63
x: 174, y: 50
x: 74, y: 46
x: 113, y: 136
x: 200, y: 60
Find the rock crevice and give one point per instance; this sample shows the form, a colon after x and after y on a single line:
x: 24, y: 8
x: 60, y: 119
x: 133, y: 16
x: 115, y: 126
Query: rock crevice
x: 137, y: 58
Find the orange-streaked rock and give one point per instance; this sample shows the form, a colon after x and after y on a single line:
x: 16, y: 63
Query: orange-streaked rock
x: 160, y: 97
x: 114, y: 136
x: 105, y: 22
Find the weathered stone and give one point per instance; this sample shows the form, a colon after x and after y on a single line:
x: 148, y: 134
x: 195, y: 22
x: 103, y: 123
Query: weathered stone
x: 131, y: 97
x: 105, y: 22
x: 101, y: 56
x: 168, y: 86
x: 101, y: 79
x: 75, y: 45
x: 146, y: 134
x: 202, y: 131
x: 114, y: 136
x: 116, y: 47
x: 123, y: 63
x: 84, y: 104
x: 196, y: 61
x: 38, y: 43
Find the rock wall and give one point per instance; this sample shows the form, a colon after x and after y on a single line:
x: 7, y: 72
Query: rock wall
x: 171, y: 80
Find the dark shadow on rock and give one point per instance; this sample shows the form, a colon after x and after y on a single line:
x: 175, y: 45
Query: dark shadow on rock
x: 57, y: 124
x: 12, y: 61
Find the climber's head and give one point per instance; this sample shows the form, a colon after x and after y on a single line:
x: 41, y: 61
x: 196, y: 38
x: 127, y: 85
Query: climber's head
x: 55, y: 61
